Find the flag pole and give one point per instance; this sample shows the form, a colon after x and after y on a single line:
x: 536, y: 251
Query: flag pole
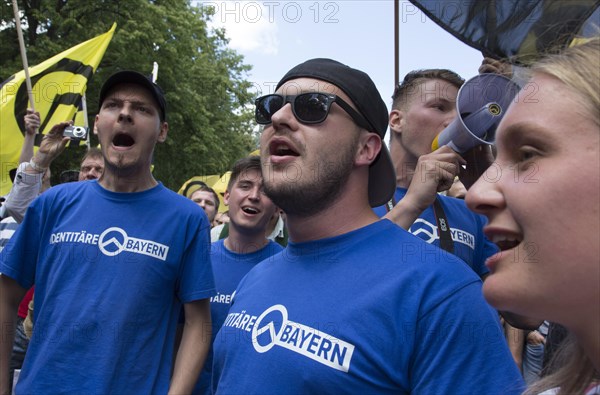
x: 23, y: 53
x: 86, y: 123
x: 396, y: 43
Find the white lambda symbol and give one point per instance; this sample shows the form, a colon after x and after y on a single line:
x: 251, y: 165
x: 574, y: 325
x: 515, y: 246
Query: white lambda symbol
x: 302, y: 339
x: 113, y: 241
x: 270, y: 327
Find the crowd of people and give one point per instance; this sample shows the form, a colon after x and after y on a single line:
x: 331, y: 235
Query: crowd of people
x: 374, y: 271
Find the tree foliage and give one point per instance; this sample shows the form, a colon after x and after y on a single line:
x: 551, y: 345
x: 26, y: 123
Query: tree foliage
x: 210, y: 125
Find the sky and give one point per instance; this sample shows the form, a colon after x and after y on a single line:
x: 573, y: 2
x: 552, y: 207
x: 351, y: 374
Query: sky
x: 274, y: 36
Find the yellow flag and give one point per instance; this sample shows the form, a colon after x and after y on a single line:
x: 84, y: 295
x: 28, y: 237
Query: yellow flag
x: 58, y: 85
x: 192, y: 185
x: 215, y: 181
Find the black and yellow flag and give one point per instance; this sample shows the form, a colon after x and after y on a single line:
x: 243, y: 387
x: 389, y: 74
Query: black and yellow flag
x: 58, y: 85
x: 519, y: 30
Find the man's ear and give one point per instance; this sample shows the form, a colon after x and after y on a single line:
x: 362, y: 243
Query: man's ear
x: 396, y: 121
x: 164, y: 129
x: 96, y: 124
x: 369, y: 148
x: 226, y: 198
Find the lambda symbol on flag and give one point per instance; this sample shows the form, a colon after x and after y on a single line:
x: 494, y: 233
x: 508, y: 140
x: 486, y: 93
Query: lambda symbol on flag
x: 46, y: 87
x: 58, y: 85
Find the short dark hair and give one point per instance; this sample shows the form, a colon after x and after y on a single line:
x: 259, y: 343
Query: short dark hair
x: 92, y: 152
x: 242, y: 166
x: 406, y: 88
x: 205, y: 188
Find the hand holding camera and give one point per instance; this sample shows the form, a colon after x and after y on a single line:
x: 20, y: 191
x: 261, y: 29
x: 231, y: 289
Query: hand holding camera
x: 52, y: 145
x: 75, y: 132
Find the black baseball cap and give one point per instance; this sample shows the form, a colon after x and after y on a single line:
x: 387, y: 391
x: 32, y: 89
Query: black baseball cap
x: 133, y: 77
x: 364, y: 95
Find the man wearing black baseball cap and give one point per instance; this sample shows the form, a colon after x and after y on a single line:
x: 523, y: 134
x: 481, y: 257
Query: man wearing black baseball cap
x: 113, y: 261
x: 353, y: 304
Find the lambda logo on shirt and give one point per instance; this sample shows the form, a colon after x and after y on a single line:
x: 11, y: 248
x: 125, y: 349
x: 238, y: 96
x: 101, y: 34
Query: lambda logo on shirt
x: 113, y: 241
x: 429, y: 232
x: 304, y: 340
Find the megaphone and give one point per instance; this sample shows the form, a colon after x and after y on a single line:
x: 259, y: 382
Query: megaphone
x: 480, y: 105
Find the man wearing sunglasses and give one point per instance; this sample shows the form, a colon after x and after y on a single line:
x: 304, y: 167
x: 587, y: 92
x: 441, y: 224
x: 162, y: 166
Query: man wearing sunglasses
x: 353, y: 304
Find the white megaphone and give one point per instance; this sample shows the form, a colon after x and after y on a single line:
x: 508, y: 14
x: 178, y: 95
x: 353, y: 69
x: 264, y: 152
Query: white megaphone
x: 480, y: 104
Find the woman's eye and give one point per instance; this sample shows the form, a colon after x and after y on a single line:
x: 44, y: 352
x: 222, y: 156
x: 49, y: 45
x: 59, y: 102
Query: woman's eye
x: 526, y: 154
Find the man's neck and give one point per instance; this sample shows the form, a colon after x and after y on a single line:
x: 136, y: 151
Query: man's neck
x: 127, y: 183
x: 244, y: 243
x: 348, y: 213
x: 404, y: 164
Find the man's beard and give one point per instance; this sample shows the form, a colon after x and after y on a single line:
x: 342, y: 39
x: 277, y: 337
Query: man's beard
x: 120, y: 167
x: 305, y: 198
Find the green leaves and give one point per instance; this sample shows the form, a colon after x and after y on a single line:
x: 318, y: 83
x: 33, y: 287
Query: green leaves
x: 210, y: 125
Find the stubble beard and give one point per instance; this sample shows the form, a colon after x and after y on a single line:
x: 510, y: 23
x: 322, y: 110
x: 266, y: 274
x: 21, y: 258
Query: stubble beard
x: 119, y: 167
x: 307, y: 197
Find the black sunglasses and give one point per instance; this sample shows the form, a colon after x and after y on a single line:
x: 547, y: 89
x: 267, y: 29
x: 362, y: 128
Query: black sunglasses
x: 308, y: 108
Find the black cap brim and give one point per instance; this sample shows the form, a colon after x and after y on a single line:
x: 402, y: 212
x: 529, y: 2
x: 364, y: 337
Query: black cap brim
x: 133, y: 77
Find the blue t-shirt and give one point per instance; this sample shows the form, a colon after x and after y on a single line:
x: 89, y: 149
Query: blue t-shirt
x: 110, y: 272
x: 367, y: 312
x: 466, y: 228
x: 228, y: 268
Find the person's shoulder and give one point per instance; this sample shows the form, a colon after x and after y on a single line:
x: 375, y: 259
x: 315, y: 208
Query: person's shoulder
x: 401, y: 247
x: 266, y: 253
x: 460, y: 206
x: 217, y: 246
x: 179, y: 208
x: 167, y: 193
x: 69, y: 190
x: 72, y: 186
x: 389, y: 234
x: 274, y: 246
x: 454, y: 202
x: 405, y: 260
x: 177, y: 201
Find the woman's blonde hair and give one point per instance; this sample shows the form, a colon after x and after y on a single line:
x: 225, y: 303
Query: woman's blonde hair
x: 576, y: 67
x: 572, y: 370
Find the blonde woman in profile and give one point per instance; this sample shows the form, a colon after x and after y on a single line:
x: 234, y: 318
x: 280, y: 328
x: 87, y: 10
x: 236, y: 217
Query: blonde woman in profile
x: 543, y: 211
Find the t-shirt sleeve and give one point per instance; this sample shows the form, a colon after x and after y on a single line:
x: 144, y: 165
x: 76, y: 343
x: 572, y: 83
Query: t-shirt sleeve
x: 18, y: 259
x: 196, y: 278
x: 24, y: 190
x: 460, y: 349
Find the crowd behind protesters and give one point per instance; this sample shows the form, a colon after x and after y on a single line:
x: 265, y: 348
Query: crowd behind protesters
x: 354, y: 303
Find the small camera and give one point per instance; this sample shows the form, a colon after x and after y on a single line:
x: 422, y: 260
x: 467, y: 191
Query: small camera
x: 76, y: 132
